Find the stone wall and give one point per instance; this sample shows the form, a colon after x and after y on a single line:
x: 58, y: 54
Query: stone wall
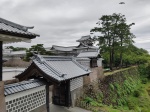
x: 118, y: 83
x: 88, y: 81
x: 95, y: 74
x: 75, y: 94
x: 114, y: 87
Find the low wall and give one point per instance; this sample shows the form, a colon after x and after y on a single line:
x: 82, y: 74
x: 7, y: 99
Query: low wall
x: 26, y: 101
x: 11, y: 72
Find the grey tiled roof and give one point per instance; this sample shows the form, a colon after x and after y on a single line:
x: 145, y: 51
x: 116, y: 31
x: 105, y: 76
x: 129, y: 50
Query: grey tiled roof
x: 22, y: 86
x: 84, y: 38
x: 88, y: 54
x: 87, y: 47
x: 60, y: 68
x: 13, y: 28
x: 61, y: 48
x: 71, y: 48
x: 82, y: 58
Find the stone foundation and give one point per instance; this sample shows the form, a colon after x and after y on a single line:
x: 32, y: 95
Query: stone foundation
x: 96, y: 73
x: 77, y: 93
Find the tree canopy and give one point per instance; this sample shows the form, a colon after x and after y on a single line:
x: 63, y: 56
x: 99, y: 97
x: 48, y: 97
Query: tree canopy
x: 116, y: 41
x: 36, y: 49
x: 16, y: 48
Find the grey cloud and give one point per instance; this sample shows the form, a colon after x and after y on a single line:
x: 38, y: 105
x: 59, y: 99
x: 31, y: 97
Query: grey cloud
x: 145, y: 45
x: 63, y: 22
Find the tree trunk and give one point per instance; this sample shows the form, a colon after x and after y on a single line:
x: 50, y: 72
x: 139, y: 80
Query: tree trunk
x: 113, y: 53
x: 121, y: 59
x: 121, y: 55
x: 110, y: 56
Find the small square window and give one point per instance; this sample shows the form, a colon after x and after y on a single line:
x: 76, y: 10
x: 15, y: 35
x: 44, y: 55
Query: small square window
x: 10, y: 102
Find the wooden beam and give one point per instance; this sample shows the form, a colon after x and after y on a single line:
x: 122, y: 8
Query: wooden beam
x: 1, y: 60
x: 47, y: 98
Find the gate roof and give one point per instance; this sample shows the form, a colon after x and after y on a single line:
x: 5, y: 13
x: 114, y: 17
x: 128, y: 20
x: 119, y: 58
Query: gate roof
x: 57, y: 68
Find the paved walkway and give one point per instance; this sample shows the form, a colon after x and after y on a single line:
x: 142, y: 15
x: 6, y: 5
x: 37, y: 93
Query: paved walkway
x: 55, y: 108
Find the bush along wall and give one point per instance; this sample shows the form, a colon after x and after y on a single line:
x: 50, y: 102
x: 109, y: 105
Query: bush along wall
x: 113, y: 89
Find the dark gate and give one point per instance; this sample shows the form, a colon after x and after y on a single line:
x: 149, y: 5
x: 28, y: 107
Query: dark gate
x: 61, y: 94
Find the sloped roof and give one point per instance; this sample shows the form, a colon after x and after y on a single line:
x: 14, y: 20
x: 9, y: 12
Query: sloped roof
x: 88, y: 54
x: 13, y: 29
x: 62, y: 48
x: 87, y: 47
x: 58, y: 68
x: 71, y: 48
x: 22, y: 86
x: 84, y: 38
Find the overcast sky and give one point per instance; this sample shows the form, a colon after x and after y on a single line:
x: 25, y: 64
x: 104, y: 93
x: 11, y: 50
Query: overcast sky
x: 62, y: 22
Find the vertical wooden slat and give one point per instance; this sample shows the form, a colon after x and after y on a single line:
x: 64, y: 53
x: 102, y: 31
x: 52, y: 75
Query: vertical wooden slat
x: 47, y: 98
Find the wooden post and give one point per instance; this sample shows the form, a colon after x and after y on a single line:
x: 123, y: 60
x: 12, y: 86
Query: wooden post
x: 2, y: 98
x: 47, y: 98
x: 68, y: 94
x: 1, y: 60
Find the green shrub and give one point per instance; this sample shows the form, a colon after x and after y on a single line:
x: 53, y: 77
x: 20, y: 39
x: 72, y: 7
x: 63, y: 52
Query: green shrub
x: 131, y: 105
x: 99, y: 97
x: 117, y: 86
x: 136, y: 93
x: 144, y: 80
x: 144, y: 70
x: 88, y: 100
x: 137, y: 109
x: 111, y: 87
x: 144, y: 110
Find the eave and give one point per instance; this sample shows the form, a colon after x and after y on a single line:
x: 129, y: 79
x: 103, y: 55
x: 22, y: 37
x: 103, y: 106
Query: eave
x: 23, y: 35
x: 11, y: 39
x: 32, y: 69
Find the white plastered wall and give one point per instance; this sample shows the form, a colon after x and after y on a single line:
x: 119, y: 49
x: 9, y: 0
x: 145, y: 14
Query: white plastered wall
x: 26, y: 101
